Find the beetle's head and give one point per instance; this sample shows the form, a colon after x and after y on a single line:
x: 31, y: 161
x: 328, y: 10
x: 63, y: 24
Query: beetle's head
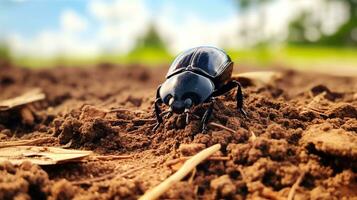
x: 180, y: 106
x: 182, y: 91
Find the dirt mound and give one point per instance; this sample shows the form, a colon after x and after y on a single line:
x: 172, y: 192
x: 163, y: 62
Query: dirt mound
x: 29, y: 181
x: 298, y: 127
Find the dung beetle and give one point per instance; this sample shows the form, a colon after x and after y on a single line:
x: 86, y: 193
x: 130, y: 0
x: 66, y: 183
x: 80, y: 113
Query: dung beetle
x: 197, y: 76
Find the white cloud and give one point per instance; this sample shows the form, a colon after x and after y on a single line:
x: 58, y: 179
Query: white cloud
x: 67, y: 41
x: 330, y: 14
x: 192, y: 30
x: 72, y: 22
x: 122, y: 23
x: 268, y: 22
x: 50, y: 44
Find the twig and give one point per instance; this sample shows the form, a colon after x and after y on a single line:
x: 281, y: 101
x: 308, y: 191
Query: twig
x: 143, y: 120
x: 271, y: 194
x: 181, y: 173
x: 253, y: 136
x: 120, y: 120
x: 96, y: 179
x: 109, y: 157
x: 113, y: 175
x: 295, y: 186
x: 192, y: 175
x: 26, y: 142
x: 129, y: 172
x: 177, y: 160
x: 221, y: 126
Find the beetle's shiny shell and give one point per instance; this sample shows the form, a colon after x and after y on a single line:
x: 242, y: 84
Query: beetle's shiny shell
x: 211, y: 62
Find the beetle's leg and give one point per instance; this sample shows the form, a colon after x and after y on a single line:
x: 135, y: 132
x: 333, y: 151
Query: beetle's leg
x: 225, y: 88
x: 207, y: 116
x: 166, y: 114
x: 157, y: 113
x: 158, y: 101
x: 169, y: 114
x: 239, y: 97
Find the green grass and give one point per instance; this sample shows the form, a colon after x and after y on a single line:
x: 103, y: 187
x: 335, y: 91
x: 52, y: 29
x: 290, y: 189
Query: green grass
x: 301, y: 57
x: 34, y: 62
x: 342, y: 61
x: 291, y: 54
x: 148, y: 56
x: 145, y: 56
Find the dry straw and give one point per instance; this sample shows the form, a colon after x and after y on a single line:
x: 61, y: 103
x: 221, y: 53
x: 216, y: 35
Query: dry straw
x: 189, y: 165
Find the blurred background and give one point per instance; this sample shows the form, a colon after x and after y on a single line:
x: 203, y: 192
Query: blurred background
x: 318, y: 35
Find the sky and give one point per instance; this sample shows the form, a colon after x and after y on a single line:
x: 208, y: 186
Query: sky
x: 87, y: 28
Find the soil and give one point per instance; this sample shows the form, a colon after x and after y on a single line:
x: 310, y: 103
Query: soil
x: 305, y: 126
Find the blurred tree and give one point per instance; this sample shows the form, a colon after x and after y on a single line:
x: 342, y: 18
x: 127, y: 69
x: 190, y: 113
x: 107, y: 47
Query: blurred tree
x: 346, y: 35
x: 253, y: 33
x: 151, y: 40
x: 245, y: 5
x: 297, y: 29
x: 4, y: 53
x: 149, y: 48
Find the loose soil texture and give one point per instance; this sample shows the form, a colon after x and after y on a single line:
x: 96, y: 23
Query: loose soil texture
x: 299, y: 125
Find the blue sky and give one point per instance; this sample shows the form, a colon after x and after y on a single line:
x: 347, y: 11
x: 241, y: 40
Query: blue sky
x: 88, y: 28
x: 28, y: 17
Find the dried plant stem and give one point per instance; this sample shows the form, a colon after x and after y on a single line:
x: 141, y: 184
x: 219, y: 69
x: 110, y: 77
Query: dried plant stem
x: 113, y: 175
x: 215, y: 158
x: 27, y: 142
x: 222, y: 127
x: 144, y: 120
x: 181, y: 173
x: 151, y: 120
x: 192, y: 175
x: 295, y: 186
x: 27, y: 98
x: 109, y: 157
x: 253, y: 136
x: 271, y: 194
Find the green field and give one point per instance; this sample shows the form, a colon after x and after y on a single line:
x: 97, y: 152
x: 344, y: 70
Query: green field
x: 298, y: 57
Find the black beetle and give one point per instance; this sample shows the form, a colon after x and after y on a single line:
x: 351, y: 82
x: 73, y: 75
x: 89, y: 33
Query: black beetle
x: 197, y: 76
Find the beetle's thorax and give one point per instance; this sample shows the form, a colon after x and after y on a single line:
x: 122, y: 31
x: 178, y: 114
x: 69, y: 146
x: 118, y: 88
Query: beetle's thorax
x: 185, y: 89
